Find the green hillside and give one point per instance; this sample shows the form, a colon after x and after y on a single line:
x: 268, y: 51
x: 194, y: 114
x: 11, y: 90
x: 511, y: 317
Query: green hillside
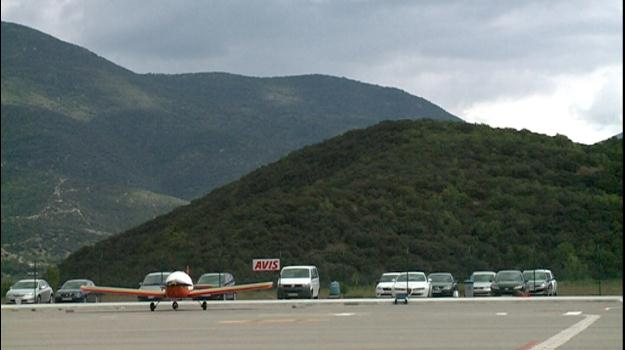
x: 127, y: 147
x: 427, y: 195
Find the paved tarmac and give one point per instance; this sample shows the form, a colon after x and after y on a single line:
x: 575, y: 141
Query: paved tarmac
x: 472, y: 323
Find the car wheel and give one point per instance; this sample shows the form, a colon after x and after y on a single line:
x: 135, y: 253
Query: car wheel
x: 38, y: 299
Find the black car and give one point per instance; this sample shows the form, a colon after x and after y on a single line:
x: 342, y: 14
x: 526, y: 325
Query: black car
x: 443, y: 284
x: 510, y: 282
x: 70, y: 292
x: 216, y: 280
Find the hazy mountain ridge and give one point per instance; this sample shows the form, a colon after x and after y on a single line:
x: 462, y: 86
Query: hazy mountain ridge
x: 70, y: 115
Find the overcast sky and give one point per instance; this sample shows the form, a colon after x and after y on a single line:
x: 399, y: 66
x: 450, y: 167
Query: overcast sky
x: 553, y: 67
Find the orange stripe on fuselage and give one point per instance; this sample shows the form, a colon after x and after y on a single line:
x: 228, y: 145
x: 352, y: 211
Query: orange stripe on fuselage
x: 177, y: 292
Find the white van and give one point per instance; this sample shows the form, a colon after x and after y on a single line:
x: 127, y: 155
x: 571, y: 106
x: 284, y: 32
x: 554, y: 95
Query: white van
x: 298, y: 282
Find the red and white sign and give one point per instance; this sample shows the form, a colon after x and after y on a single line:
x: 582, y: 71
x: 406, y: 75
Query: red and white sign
x: 266, y: 264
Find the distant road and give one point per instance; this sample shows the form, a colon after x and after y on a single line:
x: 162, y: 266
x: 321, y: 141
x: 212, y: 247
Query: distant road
x: 464, y: 323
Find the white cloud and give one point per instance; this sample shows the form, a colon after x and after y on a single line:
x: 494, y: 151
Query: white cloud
x: 586, y: 108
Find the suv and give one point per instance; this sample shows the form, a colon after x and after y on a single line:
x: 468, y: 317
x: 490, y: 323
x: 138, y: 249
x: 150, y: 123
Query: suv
x: 384, y: 288
x: 30, y: 291
x: 153, y: 281
x: 216, y: 280
x: 298, y: 282
x: 541, y: 282
x: 443, y: 284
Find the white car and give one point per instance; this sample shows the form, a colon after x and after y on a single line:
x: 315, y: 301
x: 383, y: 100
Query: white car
x: 416, y: 283
x: 384, y: 288
x: 299, y: 282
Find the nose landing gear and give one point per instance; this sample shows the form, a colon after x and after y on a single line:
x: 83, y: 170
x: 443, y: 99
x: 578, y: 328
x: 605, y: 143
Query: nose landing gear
x: 204, y: 305
x: 174, y: 305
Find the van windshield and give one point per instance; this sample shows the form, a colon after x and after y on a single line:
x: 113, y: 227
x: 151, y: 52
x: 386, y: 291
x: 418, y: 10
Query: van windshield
x: 156, y: 279
x: 295, y: 273
x: 483, y: 277
x: 74, y: 284
x: 212, y: 279
x: 535, y: 275
x: 388, y: 277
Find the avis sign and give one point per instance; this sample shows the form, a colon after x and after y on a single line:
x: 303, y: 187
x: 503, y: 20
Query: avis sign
x: 266, y: 264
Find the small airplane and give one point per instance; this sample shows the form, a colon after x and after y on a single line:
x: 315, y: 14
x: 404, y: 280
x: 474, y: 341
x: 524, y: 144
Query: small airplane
x: 178, y: 285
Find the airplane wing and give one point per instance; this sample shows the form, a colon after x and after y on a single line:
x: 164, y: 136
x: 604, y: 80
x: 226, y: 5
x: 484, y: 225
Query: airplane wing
x: 231, y: 289
x: 124, y: 291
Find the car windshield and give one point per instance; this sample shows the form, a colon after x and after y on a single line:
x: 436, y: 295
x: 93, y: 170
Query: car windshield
x: 155, y: 279
x: 212, y: 279
x: 506, y: 276
x: 441, y: 278
x: 483, y: 277
x: 388, y: 277
x: 24, y: 285
x: 413, y: 277
x: 295, y: 273
x: 535, y: 275
x: 74, y: 284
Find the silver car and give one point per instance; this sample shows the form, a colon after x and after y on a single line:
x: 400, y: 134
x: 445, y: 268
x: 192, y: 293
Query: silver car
x: 153, y: 281
x: 482, y: 281
x: 30, y: 291
x: 542, y: 282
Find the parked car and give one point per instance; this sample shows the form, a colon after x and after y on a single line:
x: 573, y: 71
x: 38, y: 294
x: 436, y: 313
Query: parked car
x: 298, y: 282
x: 153, y: 281
x: 70, y: 292
x: 384, y: 288
x: 510, y: 282
x: 413, y: 284
x: 30, y: 291
x: 482, y: 281
x: 215, y: 280
x: 541, y: 282
x: 443, y: 284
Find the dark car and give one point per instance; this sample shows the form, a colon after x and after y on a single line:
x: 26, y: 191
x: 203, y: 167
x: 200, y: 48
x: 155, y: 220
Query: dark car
x: 153, y: 281
x: 216, y: 280
x: 70, y: 292
x: 443, y: 284
x: 510, y: 282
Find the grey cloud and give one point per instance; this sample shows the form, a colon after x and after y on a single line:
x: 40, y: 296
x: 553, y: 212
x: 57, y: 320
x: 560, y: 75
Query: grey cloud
x: 452, y: 52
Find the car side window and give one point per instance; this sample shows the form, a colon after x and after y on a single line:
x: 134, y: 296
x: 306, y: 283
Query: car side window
x: 315, y: 274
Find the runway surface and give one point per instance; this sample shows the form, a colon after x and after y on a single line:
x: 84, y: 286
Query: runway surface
x: 471, y: 323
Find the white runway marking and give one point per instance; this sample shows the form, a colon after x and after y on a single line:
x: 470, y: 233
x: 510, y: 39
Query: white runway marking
x: 573, y: 313
x: 343, y: 314
x: 502, y: 314
x: 566, y: 335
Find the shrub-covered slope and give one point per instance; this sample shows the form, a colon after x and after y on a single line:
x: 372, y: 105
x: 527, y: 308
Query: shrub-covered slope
x: 426, y: 195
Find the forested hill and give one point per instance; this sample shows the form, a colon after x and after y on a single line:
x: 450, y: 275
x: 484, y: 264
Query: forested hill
x: 90, y: 148
x: 425, y: 195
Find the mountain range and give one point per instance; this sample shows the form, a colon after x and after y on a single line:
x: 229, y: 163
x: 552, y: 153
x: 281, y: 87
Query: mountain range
x: 90, y: 148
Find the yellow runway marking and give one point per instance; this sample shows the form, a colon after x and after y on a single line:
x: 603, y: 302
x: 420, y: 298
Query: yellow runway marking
x: 283, y: 320
x: 235, y: 321
x: 273, y: 321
